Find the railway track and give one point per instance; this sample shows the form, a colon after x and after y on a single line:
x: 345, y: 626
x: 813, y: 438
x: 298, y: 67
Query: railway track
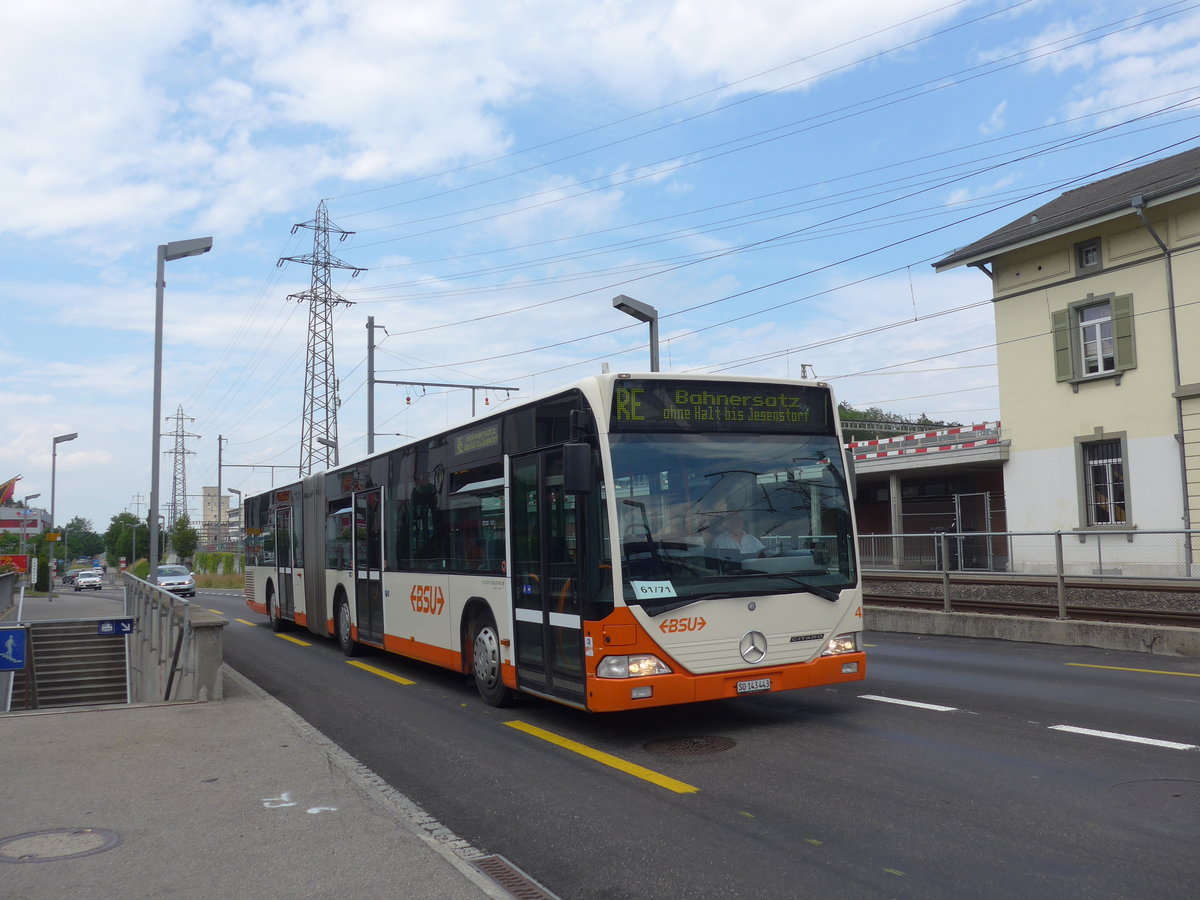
x: 1179, y: 618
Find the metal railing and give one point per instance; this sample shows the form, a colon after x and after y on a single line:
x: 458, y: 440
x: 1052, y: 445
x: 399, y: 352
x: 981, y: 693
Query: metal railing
x: 1085, y: 557
x: 177, y: 652
x: 1109, y: 554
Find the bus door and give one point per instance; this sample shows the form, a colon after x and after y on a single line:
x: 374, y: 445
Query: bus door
x: 544, y: 531
x: 368, y: 564
x: 285, y: 561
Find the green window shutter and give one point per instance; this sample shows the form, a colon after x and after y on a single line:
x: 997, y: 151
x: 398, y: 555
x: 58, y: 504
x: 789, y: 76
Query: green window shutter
x: 1061, y: 333
x: 1124, y: 347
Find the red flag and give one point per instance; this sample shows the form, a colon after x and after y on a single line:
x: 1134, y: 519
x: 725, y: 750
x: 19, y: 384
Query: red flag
x: 8, y: 489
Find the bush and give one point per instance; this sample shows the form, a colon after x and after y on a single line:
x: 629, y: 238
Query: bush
x: 217, y: 563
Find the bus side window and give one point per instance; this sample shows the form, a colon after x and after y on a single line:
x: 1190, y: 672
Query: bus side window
x: 337, y: 535
x: 428, y: 539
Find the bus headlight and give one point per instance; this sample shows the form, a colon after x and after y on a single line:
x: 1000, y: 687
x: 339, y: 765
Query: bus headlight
x: 843, y: 643
x: 631, y: 666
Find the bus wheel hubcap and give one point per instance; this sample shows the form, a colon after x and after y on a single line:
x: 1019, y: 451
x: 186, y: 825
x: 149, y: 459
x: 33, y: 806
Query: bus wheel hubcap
x: 487, y: 656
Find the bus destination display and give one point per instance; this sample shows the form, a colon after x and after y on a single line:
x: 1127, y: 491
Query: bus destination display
x: 648, y: 405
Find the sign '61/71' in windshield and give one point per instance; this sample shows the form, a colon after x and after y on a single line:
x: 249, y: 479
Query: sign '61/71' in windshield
x: 649, y: 405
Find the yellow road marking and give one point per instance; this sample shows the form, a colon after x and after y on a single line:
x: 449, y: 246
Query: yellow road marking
x: 382, y: 674
x: 607, y: 759
x: 296, y: 641
x: 244, y: 622
x: 1143, y: 671
x: 217, y: 611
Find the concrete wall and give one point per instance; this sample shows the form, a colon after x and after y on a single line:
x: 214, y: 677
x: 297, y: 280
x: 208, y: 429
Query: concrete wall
x: 158, y: 670
x: 1105, y: 635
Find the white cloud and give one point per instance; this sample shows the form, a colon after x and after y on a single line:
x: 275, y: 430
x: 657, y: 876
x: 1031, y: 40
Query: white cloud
x: 995, y: 122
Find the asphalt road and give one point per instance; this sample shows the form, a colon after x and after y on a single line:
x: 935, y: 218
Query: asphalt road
x: 960, y: 767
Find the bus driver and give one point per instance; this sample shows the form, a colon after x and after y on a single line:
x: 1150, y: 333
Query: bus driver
x: 733, y: 536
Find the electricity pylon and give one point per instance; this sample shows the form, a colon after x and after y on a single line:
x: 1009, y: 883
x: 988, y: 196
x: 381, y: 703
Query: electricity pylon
x: 178, y: 505
x: 318, y: 429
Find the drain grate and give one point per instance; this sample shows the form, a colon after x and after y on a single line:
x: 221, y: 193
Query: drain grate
x: 690, y: 746
x: 512, y: 879
x: 57, y: 844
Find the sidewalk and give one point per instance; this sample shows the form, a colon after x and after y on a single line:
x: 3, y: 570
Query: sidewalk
x: 237, y: 797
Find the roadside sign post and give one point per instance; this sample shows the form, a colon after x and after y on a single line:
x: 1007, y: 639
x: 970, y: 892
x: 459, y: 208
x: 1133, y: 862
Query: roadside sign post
x: 16, y: 655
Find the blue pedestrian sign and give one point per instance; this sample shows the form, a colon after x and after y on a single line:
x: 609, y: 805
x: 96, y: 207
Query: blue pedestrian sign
x: 12, y: 649
x: 115, y: 626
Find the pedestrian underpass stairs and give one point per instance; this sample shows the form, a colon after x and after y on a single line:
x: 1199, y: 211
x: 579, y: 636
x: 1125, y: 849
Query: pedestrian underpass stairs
x: 73, y: 665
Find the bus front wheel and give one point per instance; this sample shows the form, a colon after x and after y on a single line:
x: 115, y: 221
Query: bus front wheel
x: 273, y: 610
x: 350, y: 647
x: 485, y: 662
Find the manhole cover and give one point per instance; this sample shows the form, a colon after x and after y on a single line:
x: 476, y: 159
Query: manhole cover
x: 56, y: 844
x: 1160, y: 800
x: 690, y: 746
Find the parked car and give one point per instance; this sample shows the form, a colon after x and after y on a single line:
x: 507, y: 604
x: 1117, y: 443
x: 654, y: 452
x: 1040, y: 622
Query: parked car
x: 176, y: 579
x: 89, y: 578
x: 69, y: 577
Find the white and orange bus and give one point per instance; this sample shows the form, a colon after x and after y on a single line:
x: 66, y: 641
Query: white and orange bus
x: 630, y: 541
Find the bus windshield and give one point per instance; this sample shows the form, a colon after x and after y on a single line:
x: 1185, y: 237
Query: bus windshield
x: 704, y: 516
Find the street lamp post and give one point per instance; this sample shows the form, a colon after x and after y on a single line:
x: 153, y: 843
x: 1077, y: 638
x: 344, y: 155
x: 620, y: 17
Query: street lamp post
x: 326, y: 442
x: 643, y: 312
x: 61, y: 439
x: 166, y: 253
x: 24, y: 522
x: 25, y: 517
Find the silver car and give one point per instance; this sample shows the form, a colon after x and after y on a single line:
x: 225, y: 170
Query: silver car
x: 176, y: 579
x: 90, y: 579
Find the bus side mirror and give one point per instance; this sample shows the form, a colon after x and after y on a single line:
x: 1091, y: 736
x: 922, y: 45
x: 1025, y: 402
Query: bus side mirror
x: 577, y: 468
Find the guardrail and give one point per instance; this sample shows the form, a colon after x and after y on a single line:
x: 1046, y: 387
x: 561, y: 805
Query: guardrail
x: 177, y: 651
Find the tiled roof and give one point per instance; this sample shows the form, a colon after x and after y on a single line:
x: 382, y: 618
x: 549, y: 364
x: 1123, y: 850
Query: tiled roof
x: 1091, y: 201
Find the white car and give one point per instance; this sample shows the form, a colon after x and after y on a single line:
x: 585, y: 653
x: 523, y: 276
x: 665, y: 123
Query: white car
x: 176, y: 579
x: 93, y: 579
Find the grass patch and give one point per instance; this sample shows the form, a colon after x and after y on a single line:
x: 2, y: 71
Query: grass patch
x: 231, y: 581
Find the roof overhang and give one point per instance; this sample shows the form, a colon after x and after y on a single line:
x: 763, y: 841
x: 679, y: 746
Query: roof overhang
x: 986, y: 254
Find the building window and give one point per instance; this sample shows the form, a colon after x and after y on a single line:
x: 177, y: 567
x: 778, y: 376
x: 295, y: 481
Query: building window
x: 1094, y: 338
x: 1104, y: 482
x: 1087, y: 256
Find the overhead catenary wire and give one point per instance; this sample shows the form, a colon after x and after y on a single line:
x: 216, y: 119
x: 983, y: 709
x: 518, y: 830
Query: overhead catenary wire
x: 534, y: 374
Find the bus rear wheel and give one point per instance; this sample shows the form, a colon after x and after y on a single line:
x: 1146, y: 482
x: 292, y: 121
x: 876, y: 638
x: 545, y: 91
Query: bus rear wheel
x: 345, y: 636
x: 485, y: 662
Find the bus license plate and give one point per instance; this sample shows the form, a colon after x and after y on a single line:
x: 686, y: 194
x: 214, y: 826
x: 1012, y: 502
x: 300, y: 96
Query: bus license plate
x: 753, y: 687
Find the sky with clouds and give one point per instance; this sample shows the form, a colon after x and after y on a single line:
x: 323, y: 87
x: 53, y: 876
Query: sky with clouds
x: 774, y: 177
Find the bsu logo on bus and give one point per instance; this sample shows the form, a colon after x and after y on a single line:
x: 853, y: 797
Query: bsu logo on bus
x: 427, y: 598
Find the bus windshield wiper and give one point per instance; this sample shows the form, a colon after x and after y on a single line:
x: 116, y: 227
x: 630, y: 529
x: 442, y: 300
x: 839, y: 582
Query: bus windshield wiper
x: 818, y: 589
x: 660, y: 608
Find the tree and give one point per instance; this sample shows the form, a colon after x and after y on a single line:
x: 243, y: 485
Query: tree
x: 852, y: 432
x: 80, y: 540
x: 184, y: 538
x: 126, y: 536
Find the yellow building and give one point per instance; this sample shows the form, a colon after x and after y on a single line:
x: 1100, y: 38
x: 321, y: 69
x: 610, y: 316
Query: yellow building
x: 1097, y: 307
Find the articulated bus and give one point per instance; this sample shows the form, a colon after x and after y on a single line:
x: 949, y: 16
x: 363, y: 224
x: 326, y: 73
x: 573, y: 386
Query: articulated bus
x: 630, y: 541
